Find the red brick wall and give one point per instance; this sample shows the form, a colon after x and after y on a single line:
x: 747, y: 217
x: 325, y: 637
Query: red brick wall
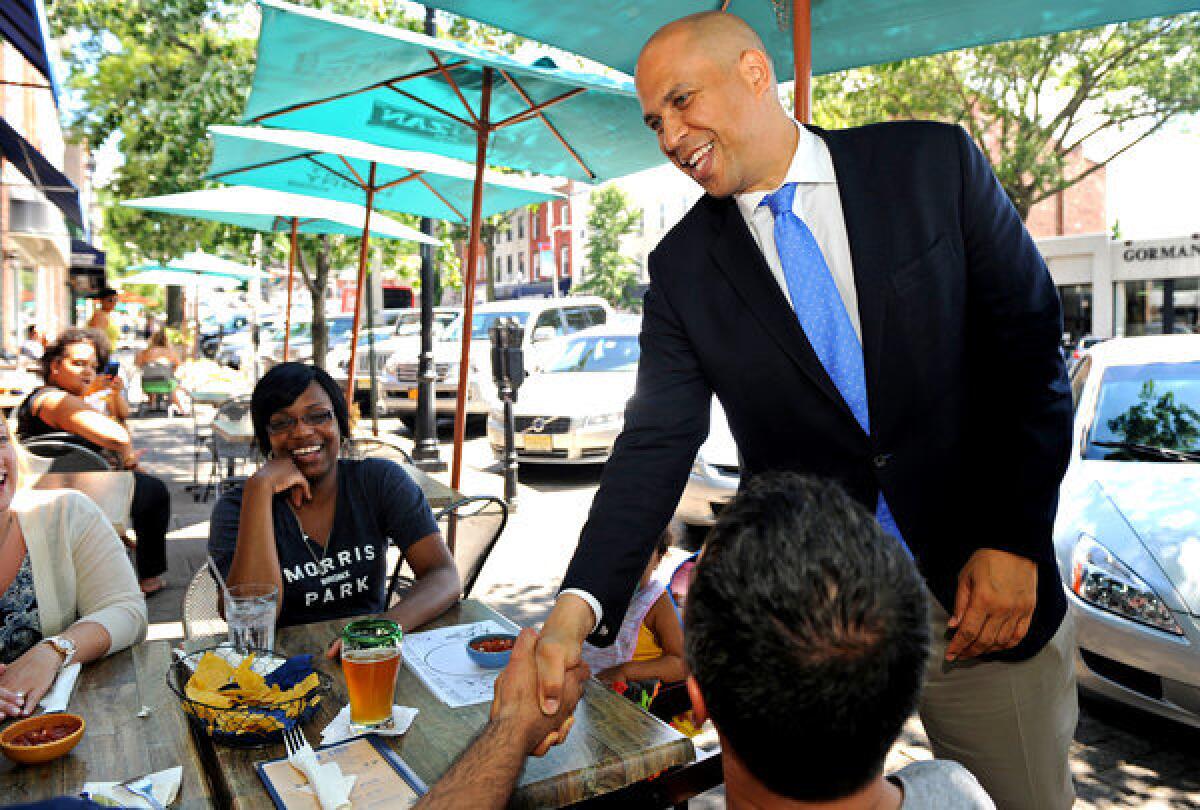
x: 1080, y: 208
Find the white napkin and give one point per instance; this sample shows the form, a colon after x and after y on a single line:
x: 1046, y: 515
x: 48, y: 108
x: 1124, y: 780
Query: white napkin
x: 59, y: 694
x: 339, y: 729
x: 327, y: 781
x: 163, y: 786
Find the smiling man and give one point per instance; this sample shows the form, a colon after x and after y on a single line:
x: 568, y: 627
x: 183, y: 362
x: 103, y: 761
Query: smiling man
x: 869, y: 308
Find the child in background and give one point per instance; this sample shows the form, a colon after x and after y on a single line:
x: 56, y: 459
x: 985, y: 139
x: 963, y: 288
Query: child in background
x: 649, y: 646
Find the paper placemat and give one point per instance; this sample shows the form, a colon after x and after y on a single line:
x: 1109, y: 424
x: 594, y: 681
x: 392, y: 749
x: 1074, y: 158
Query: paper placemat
x: 439, y: 659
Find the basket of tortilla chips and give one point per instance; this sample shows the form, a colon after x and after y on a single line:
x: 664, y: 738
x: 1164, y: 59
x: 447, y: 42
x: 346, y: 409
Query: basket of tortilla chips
x: 246, y: 700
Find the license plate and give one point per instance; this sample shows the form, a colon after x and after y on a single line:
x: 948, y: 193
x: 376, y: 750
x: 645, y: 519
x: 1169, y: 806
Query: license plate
x: 412, y: 393
x: 539, y: 444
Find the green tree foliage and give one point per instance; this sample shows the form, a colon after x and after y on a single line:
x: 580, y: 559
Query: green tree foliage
x: 1031, y: 102
x: 610, y: 274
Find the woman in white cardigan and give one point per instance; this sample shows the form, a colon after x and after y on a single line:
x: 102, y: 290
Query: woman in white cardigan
x: 68, y: 593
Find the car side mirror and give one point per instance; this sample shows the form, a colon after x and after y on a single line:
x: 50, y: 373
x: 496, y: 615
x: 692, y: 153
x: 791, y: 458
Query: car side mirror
x: 544, y: 333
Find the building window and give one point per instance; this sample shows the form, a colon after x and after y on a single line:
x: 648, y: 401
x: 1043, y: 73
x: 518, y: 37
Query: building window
x: 521, y: 265
x: 1162, y: 307
x: 565, y: 262
x: 1077, y: 310
x: 521, y: 225
x: 534, y: 224
x: 508, y: 272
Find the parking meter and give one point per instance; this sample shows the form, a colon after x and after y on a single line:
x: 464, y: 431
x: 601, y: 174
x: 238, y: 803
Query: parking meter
x: 508, y: 370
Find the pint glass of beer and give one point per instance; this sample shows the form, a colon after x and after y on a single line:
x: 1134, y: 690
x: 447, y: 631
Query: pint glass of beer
x: 370, y: 660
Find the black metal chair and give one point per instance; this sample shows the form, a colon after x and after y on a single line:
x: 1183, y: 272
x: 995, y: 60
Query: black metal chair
x: 472, y: 527
x: 229, y: 458
x: 66, y: 453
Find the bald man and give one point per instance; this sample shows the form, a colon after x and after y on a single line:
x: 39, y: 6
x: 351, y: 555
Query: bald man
x: 868, y: 307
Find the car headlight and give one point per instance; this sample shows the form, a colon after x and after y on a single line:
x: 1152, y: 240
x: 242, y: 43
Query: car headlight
x: 604, y: 420
x: 1099, y: 578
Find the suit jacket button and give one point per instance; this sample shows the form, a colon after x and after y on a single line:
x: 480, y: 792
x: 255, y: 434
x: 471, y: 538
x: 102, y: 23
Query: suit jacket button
x: 602, y: 631
x: 880, y: 461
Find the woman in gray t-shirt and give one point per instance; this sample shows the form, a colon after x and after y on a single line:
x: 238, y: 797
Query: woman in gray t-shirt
x: 318, y: 527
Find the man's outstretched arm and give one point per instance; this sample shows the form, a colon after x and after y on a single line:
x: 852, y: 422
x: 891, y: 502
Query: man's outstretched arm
x: 485, y: 775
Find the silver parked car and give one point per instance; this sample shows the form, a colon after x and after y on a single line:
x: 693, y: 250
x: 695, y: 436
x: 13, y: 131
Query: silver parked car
x: 572, y: 411
x: 1127, y: 534
x: 715, y: 474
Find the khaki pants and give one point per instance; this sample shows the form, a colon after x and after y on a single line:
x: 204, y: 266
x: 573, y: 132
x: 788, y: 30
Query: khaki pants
x: 1010, y: 724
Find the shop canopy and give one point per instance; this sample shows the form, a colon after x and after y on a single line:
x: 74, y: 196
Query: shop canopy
x: 40, y: 173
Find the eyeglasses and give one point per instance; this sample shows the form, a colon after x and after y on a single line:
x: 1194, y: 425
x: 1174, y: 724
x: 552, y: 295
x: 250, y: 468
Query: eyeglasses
x: 314, y: 419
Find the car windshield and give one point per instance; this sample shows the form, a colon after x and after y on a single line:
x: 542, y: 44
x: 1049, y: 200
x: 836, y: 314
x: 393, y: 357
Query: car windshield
x: 1147, y: 412
x: 409, y: 323
x: 481, y: 323
x: 598, y: 353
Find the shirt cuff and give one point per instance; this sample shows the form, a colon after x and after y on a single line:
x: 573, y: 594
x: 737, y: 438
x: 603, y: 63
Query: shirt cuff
x: 592, y: 602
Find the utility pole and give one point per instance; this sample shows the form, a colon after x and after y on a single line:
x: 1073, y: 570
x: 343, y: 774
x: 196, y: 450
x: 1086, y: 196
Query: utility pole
x: 425, y: 445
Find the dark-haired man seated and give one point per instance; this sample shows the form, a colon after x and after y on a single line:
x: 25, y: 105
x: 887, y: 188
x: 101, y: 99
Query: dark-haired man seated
x: 807, y: 636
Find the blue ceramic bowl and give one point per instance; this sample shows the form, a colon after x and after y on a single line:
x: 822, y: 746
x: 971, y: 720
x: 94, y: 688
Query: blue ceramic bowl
x: 490, y: 660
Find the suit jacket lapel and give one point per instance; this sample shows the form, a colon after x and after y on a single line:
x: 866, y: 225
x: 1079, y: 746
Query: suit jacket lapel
x: 867, y: 231
x: 739, y: 258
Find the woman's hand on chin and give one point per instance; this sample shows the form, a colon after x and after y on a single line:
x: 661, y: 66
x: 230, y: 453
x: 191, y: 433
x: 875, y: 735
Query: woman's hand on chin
x: 281, y: 473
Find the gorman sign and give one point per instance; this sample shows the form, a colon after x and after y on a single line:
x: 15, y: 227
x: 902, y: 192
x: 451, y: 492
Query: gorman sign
x: 1161, y: 251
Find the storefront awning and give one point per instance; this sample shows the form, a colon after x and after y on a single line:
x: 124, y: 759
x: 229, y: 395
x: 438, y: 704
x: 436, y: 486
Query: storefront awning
x: 41, y: 174
x: 22, y: 22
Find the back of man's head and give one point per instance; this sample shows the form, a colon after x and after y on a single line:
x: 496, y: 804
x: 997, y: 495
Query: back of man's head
x: 807, y: 635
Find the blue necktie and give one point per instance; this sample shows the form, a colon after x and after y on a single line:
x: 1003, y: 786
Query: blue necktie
x: 823, y: 317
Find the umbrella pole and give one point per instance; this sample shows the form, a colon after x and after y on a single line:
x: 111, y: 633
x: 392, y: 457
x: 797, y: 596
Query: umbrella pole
x: 287, y: 318
x: 482, y: 133
x: 802, y: 57
x: 358, y: 290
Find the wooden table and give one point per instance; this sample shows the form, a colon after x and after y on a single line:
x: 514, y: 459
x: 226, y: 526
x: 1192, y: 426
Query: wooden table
x: 112, y: 491
x: 117, y: 744
x: 613, y: 743
x: 438, y: 494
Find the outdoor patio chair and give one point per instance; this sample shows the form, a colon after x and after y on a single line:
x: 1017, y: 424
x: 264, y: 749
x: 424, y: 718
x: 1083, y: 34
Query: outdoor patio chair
x: 201, y: 616
x: 360, y: 447
x: 472, y: 527
x: 158, y: 383
x: 66, y: 453
x: 230, y: 458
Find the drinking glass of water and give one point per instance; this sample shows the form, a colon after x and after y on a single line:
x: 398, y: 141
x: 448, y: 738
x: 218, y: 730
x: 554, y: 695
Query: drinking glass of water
x: 250, y: 614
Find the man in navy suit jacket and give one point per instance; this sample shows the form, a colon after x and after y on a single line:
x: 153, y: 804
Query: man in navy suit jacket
x: 969, y: 407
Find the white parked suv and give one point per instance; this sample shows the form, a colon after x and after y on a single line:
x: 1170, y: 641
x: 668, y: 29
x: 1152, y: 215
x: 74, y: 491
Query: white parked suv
x: 544, y: 321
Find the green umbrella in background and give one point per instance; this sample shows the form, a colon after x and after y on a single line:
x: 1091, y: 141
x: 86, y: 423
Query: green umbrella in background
x: 271, y: 211
x: 348, y: 170
x: 337, y: 75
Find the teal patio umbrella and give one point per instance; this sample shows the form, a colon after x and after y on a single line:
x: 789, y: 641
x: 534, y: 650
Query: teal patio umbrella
x: 337, y: 75
x: 196, y: 270
x: 808, y: 37
x: 263, y: 209
x: 347, y: 170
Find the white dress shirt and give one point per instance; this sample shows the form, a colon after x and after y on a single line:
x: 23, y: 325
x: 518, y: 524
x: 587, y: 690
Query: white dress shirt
x: 819, y: 205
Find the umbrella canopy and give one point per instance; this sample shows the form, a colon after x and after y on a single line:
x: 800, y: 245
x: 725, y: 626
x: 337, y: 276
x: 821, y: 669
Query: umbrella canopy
x: 845, y: 33
x: 338, y: 168
x: 266, y: 210
x: 199, y: 263
x: 163, y: 276
x: 337, y: 75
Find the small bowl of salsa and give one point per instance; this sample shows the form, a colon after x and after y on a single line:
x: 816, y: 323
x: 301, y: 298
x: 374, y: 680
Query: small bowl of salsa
x: 41, y: 738
x: 491, y: 651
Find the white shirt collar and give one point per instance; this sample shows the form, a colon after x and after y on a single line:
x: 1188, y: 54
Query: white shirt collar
x: 811, y: 163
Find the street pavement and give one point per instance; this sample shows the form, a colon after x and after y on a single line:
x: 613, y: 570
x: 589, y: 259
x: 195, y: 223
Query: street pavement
x: 1120, y: 758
